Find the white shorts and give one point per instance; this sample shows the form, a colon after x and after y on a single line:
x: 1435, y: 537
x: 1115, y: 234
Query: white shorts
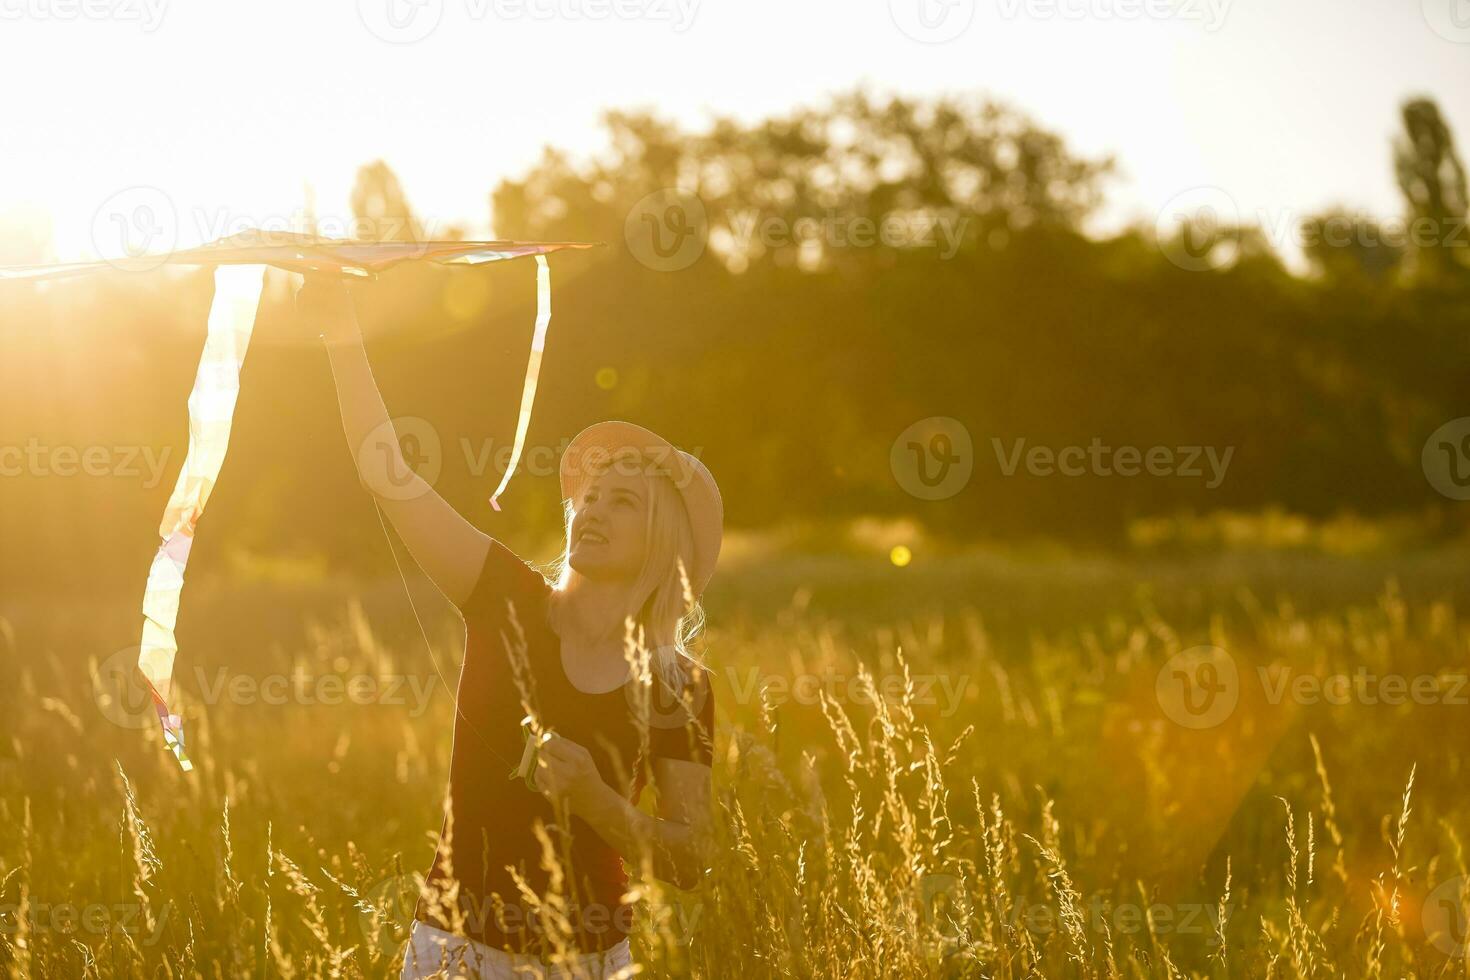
x: 432, y: 952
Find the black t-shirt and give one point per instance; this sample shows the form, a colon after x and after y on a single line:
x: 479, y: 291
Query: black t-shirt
x: 493, y: 816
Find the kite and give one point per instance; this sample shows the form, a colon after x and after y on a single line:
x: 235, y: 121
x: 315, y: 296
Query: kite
x: 240, y: 263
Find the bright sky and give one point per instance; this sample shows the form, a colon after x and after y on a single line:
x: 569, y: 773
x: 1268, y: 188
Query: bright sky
x: 231, y: 108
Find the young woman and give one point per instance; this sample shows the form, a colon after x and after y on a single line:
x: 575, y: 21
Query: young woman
x: 643, y: 531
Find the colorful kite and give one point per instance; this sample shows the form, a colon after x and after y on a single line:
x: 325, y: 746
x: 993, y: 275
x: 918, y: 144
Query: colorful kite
x: 239, y: 277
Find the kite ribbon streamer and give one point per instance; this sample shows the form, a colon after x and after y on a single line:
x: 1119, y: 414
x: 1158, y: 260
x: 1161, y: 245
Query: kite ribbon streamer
x: 237, y: 290
x: 533, y: 373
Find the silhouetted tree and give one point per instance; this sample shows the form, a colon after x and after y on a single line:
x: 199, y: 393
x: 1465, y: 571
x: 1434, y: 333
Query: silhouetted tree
x: 381, y: 208
x: 1433, y: 181
x: 990, y: 169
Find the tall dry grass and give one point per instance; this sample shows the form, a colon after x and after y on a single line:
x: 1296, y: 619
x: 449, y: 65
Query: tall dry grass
x: 916, y: 799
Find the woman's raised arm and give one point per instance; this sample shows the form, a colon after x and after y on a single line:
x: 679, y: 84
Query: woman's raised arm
x: 449, y: 549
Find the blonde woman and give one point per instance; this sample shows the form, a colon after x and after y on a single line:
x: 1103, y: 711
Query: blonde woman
x: 643, y: 531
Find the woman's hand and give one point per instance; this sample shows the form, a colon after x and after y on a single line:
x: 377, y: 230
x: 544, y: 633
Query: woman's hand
x: 566, y: 774
x: 324, y: 301
x: 679, y: 840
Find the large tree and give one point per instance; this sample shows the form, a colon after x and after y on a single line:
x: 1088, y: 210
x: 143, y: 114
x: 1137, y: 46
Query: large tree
x: 854, y: 158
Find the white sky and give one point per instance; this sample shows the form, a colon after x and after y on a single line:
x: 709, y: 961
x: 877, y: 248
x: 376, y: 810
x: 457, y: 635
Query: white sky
x: 232, y: 108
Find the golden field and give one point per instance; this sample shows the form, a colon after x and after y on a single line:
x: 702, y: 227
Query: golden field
x: 973, y: 765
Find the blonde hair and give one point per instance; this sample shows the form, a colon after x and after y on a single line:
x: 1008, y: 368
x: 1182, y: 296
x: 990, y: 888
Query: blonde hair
x: 666, y: 616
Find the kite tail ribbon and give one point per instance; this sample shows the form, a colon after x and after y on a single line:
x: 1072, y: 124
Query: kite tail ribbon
x: 237, y: 290
x: 533, y: 373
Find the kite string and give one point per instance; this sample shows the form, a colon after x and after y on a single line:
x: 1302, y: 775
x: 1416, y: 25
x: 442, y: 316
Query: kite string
x: 433, y: 658
x: 528, y: 398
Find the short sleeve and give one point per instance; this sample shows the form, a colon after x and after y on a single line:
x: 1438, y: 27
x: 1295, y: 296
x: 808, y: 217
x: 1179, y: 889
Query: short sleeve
x: 503, y: 576
x: 684, y: 728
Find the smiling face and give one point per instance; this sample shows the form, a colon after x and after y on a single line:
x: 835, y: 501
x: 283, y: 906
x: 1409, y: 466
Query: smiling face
x: 610, y: 527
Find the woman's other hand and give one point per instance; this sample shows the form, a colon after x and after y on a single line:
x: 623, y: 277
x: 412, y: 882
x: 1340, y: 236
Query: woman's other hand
x: 566, y: 774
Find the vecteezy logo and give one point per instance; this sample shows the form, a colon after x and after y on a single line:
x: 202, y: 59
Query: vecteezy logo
x: 940, y: 907
x: 1198, y: 687
x: 397, y: 452
x: 667, y: 230
x: 400, y: 21
x: 933, y: 458
x: 1450, y: 19
x: 120, y: 693
x: 135, y: 229
x: 660, y: 703
x: 1199, y: 229
x: 932, y: 21
x: 1446, y: 917
x: 1446, y: 459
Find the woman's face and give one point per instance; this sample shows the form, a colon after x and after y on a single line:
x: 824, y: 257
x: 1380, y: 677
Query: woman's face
x: 608, y: 527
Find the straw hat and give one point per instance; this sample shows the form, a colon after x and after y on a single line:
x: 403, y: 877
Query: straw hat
x: 595, y: 445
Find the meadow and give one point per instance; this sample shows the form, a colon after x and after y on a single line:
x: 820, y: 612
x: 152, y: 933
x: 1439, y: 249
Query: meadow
x: 981, y: 764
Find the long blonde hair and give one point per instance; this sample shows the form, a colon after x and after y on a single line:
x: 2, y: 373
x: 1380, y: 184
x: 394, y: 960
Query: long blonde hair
x: 666, y: 616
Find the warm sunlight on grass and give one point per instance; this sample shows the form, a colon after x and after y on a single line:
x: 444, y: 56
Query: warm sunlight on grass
x: 919, y: 798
